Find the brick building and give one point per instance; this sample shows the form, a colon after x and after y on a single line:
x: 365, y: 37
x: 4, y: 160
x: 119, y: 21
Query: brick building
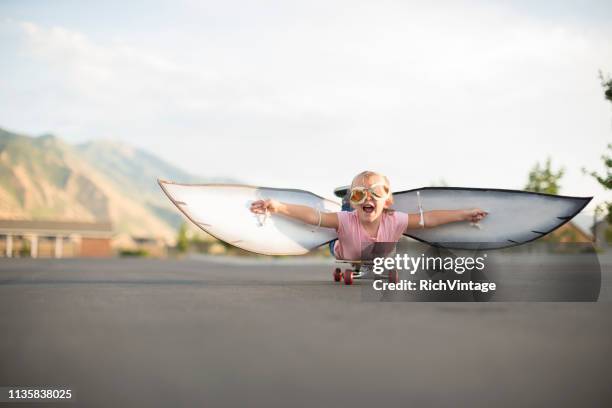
x: 55, y: 239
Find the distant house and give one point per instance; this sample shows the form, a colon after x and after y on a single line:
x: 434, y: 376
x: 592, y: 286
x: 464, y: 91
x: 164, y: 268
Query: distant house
x: 570, y: 232
x: 155, y: 247
x: 55, y: 239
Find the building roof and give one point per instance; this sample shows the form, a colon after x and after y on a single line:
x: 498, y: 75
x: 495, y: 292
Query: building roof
x: 582, y: 235
x: 55, y: 227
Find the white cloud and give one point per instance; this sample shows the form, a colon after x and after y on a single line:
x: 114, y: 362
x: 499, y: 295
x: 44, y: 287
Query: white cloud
x: 304, y: 96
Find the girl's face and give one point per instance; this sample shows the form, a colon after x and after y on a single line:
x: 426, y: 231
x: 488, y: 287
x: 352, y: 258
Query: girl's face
x: 371, y: 208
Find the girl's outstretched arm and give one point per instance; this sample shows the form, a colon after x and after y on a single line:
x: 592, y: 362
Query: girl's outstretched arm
x: 441, y: 217
x: 300, y: 212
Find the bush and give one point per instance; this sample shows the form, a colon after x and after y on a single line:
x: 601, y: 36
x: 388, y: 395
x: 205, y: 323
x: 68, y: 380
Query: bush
x: 133, y: 253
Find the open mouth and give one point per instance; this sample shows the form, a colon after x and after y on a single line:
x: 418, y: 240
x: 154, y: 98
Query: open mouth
x: 367, y: 208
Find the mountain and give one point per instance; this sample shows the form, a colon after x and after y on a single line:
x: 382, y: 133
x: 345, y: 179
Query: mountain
x: 45, y: 178
x: 135, y: 172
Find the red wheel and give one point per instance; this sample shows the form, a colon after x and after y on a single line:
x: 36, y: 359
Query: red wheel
x: 348, y: 277
x: 337, y: 275
x: 393, y: 276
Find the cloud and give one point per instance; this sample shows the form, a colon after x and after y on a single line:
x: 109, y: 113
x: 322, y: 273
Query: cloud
x: 307, y: 95
x: 113, y: 77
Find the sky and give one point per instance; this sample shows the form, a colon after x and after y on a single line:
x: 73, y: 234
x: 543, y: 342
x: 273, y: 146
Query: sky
x: 307, y: 94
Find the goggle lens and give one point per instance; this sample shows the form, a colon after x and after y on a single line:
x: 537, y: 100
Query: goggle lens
x: 378, y: 191
x: 358, y: 196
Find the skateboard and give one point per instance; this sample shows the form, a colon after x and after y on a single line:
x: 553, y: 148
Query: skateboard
x: 360, y: 270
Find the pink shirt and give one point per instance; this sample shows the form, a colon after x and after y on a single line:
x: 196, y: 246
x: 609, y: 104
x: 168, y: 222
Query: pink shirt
x: 352, y: 238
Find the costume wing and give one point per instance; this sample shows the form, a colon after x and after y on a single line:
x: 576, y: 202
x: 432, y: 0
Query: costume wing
x: 222, y: 210
x: 515, y: 217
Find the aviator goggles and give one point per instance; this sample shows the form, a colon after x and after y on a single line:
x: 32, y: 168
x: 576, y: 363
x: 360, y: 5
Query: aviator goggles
x: 377, y: 191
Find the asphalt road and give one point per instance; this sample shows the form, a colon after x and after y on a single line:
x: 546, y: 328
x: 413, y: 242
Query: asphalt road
x: 203, y: 333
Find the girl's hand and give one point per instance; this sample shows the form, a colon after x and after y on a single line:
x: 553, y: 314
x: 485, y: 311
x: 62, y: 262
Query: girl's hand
x: 475, y: 215
x: 261, y: 206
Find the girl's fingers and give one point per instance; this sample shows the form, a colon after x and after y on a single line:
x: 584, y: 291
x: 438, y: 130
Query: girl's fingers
x: 476, y: 214
x: 257, y: 206
x: 480, y: 213
x: 260, y: 206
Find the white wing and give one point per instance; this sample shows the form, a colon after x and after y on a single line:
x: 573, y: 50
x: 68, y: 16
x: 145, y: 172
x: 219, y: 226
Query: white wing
x: 222, y: 210
x: 515, y: 217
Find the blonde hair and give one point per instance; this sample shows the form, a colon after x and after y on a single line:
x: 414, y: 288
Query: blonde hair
x: 367, y: 174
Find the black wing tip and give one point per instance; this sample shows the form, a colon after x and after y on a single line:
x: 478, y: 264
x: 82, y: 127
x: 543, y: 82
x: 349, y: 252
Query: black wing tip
x: 585, y: 202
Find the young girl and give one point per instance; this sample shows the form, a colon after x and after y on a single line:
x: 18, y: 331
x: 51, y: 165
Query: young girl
x: 372, y: 219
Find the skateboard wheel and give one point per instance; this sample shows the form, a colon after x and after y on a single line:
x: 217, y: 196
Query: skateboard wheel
x: 393, y: 276
x: 348, y: 277
x: 337, y: 275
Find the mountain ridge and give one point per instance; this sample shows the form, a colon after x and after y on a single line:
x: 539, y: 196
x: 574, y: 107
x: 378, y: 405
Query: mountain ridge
x: 44, y: 177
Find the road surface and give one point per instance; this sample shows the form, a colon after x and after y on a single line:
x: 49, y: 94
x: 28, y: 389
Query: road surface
x: 131, y: 332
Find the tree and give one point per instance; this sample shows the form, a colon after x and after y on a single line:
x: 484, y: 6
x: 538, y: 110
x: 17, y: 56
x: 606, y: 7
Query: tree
x: 542, y: 179
x: 182, y: 240
x: 606, y: 82
x: 605, y: 179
